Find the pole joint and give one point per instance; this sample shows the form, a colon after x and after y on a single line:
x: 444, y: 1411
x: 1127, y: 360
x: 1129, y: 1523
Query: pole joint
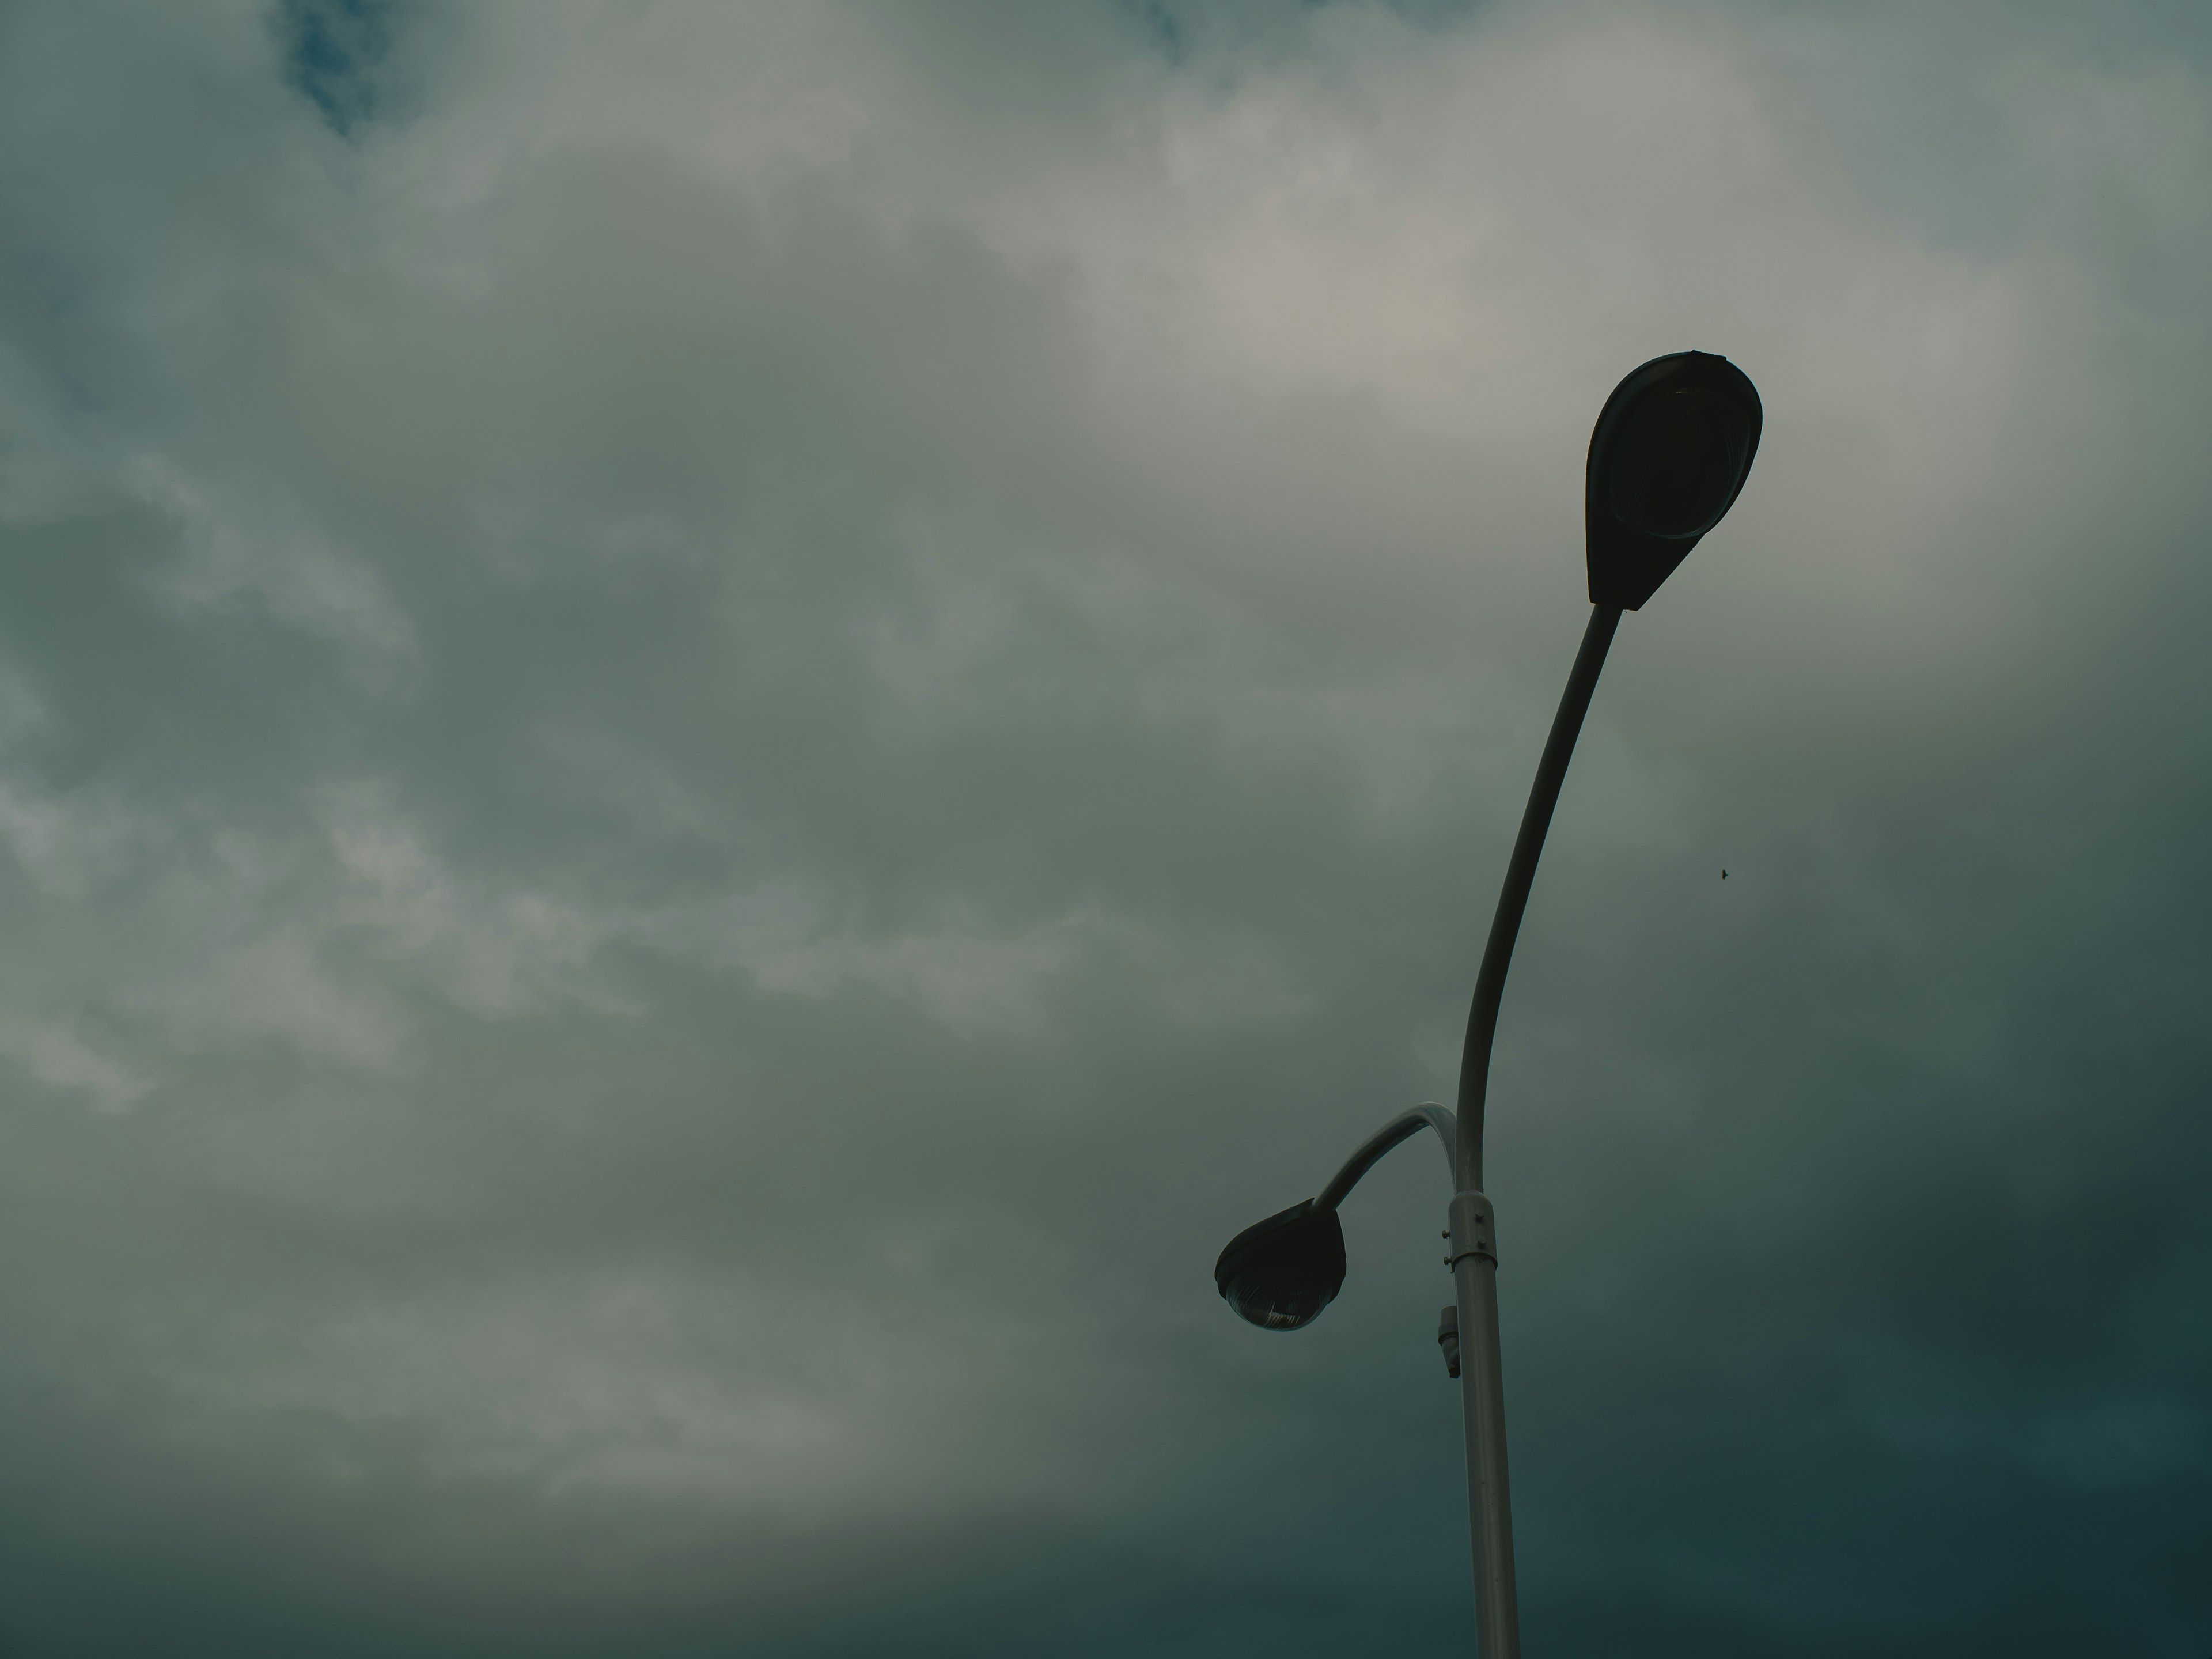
x: 1473, y: 1231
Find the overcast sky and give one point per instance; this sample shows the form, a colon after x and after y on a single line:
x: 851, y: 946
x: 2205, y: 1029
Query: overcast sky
x: 720, y: 725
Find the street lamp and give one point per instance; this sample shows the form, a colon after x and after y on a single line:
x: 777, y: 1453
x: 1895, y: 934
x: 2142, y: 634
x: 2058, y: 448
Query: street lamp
x: 1668, y: 458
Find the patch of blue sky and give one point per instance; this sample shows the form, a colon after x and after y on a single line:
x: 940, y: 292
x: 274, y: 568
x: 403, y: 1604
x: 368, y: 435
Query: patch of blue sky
x: 335, y: 52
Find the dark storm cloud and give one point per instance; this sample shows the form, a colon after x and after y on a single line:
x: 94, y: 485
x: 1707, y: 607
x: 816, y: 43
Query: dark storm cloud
x: 718, y: 728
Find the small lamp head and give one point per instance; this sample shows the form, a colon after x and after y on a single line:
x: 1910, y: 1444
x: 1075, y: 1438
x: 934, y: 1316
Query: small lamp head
x: 1279, y: 1273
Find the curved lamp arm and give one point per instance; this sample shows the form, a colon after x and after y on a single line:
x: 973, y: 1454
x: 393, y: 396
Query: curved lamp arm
x: 1400, y: 1128
x: 1520, y: 876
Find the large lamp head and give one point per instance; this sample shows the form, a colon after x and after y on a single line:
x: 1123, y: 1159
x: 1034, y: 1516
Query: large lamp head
x: 1672, y: 446
x: 1281, y: 1272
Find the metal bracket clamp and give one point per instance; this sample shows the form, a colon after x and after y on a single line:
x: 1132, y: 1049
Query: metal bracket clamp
x: 1473, y: 1230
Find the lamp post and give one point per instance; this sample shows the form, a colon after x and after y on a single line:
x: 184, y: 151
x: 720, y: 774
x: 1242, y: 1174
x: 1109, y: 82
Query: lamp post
x: 1669, y: 457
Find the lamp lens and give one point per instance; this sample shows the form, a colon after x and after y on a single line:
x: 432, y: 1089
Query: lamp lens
x: 1278, y: 1302
x: 1680, y: 459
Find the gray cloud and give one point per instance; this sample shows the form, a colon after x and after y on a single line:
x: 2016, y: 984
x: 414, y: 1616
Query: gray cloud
x: 719, y: 727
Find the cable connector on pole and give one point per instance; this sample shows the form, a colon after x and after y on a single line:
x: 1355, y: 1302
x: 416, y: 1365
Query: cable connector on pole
x: 1473, y: 1230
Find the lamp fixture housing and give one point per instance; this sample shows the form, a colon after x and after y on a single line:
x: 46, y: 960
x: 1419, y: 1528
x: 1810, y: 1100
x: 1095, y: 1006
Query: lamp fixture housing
x: 1279, y: 1273
x: 1669, y: 455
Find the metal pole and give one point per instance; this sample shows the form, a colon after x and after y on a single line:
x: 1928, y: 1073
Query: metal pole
x: 1482, y: 1407
x: 1473, y: 1251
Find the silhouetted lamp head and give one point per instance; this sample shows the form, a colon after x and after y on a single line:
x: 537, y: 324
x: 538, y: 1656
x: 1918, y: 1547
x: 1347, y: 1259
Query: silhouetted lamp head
x: 1281, y: 1272
x: 1672, y: 446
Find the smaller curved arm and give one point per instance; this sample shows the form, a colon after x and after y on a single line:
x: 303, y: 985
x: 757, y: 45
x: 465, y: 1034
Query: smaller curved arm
x: 1397, y: 1129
